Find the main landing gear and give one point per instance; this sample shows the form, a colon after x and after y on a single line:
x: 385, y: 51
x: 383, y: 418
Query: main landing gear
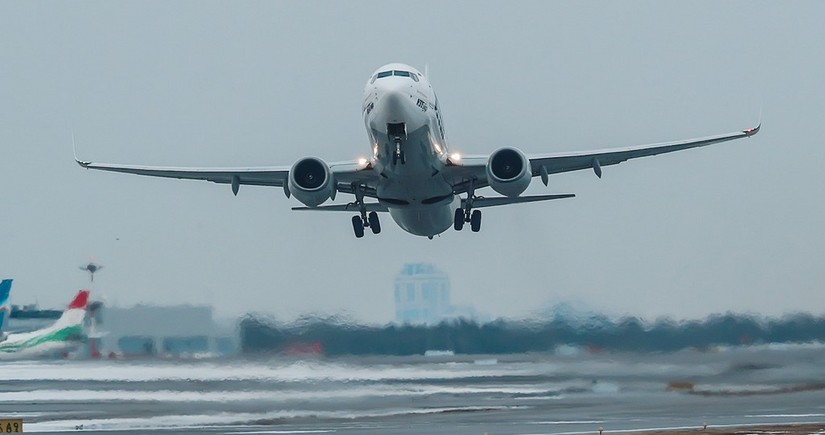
x: 368, y: 221
x: 463, y: 215
x: 364, y: 219
x: 467, y: 214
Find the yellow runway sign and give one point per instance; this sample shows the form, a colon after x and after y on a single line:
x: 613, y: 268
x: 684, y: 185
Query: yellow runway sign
x: 11, y: 425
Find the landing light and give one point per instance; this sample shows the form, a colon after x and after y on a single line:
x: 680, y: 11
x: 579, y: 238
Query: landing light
x: 455, y: 157
x: 362, y: 162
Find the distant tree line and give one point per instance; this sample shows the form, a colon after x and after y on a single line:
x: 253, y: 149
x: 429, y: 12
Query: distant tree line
x: 335, y: 337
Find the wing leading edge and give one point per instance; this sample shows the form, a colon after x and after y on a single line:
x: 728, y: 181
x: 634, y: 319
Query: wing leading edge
x: 566, y: 162
x: 544, y: 165
x: 258, y: 176
x: 275, y: 176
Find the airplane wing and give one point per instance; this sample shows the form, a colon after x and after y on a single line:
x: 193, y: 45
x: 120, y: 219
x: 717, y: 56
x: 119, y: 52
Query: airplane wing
x: 345, y: 173
x: 259, y: 176
x: 544, y: 165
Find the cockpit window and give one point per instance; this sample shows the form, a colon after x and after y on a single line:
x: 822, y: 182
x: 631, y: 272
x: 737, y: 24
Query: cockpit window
x: 397, y: 73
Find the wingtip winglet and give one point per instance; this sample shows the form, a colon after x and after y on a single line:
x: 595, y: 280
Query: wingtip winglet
x: 753, y: 130
x: 82, y: 163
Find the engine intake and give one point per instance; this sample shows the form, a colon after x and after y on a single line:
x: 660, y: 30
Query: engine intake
x: 311, y: 181
x: 508, y: 172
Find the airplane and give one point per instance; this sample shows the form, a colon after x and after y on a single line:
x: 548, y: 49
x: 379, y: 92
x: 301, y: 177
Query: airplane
x: 64, y: 335
x: 412, y: 174
x: 5, y: 308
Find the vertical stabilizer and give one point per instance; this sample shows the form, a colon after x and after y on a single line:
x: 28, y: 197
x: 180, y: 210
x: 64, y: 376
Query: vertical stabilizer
x: 5, y: 307
x: 73, y: 316
x: 80, y: 300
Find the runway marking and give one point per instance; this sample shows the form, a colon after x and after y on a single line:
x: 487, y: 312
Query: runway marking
x: 281, y: 432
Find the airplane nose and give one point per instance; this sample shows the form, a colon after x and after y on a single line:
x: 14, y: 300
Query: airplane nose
x: 396, y: 98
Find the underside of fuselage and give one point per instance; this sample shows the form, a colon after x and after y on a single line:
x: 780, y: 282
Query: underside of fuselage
x: 418, y: 197
x: 404, y: 127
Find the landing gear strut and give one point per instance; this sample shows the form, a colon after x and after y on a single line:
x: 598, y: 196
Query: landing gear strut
x: 397, y: 133
x: 467, y: 214
x: 399, y: 154
x: 363, y: 220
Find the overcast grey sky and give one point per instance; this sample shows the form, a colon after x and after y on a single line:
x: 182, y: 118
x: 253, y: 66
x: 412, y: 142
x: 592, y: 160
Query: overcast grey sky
x: 737, y: 226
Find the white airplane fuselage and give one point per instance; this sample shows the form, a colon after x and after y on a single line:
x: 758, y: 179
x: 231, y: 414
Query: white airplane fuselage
x: 409, y: 149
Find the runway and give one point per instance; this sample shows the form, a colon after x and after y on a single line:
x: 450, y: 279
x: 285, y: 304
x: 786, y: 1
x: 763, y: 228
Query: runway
x: 578, y: 392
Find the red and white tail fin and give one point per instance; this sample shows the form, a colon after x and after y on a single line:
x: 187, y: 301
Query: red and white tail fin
x: 80, y: 300
x: 76, y: 311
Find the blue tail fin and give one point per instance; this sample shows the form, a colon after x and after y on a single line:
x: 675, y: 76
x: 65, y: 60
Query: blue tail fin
x: 5, y: 308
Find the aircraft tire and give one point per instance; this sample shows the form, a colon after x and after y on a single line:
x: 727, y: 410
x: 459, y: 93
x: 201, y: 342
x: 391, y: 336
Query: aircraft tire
x: 375, y: 224
x: 358, y: 226
x: 475, y: 221
x: 458, y: 221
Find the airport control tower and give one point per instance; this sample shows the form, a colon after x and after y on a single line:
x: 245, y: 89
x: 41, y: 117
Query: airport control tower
x: 422, y: 294
x: 92, y: 267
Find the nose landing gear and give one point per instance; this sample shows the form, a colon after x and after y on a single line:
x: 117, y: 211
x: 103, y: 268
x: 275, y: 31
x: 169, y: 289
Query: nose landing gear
x: 399, y: 155
x: 397, y: 133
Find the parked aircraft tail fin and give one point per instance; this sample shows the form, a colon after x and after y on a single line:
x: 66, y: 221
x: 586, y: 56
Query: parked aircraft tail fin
x: 5, y: 307
x: 76, y: 311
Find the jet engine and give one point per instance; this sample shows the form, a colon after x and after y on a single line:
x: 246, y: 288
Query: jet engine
x: 509, y: 172
x: 311, y: 181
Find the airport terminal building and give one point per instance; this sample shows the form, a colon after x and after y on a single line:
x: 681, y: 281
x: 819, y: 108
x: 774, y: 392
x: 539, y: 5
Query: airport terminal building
x: 148, y: 330
x: 422, y: 297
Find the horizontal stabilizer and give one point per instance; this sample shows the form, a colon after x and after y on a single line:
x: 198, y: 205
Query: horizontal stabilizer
x: 479, y: 202
x: 371, y: 206
x: 482, y: 202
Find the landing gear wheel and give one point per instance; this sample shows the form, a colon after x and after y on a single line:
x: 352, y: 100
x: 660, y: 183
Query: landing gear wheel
x: 375, y: 225
x: 403, y: 158
x: 394, y: 159
x: 358, y: 226
x: 458, y: 222
x: 475, y: 221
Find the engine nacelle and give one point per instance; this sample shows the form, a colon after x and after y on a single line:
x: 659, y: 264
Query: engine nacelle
x: 509, y: 172
x: 311, y: 181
